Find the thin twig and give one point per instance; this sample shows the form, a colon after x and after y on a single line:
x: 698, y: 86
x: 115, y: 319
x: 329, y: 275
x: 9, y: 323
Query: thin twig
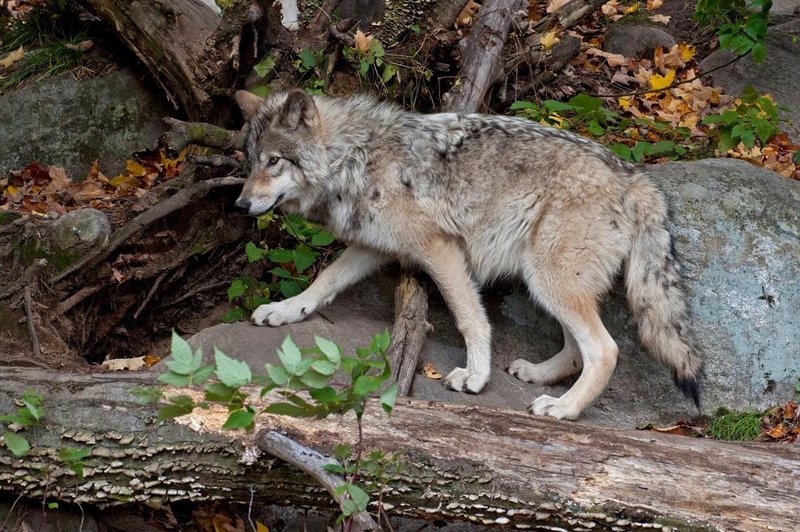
x: 150, y: 294
x: 37, y: 352
x: 66, y: 305
x: 193, y: 292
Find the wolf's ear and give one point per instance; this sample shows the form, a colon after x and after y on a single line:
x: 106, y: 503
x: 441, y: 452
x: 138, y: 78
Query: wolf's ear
x: 299, y: 110
x: 249, y: 104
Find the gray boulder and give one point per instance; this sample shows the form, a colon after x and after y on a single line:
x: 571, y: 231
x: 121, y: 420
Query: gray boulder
x: 80, y: 230
x: 783, y: 11
x: 66, y: 123
x: 634, y: 40
x: 738, y: 235
x: 779, y: 75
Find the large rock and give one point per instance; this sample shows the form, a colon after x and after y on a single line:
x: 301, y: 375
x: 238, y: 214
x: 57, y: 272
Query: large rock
x: 738, y: 234
x: 66, y: 123
x: 783, y: 11
x: 779, y: 75
x: 634, y: 40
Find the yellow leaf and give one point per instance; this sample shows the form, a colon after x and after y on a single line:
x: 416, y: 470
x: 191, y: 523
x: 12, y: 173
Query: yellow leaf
x: 261, y: 527
x: 658, y: 82
x: 686, y: 51
x: 362, y: 41
x: 654, y: 4
x: 133, y: 168
x: 9, y: 60
x: 548, y: 40
x: 633, y: 9
x: 124, y: 180
x: 625, y: 101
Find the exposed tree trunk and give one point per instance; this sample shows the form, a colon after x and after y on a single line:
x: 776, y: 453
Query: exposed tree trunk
x: 489, y: 466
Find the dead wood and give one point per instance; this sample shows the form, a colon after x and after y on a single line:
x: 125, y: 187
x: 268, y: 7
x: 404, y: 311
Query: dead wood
x: 491, y: 466
x: 409, y: 331
x: 178, y: 201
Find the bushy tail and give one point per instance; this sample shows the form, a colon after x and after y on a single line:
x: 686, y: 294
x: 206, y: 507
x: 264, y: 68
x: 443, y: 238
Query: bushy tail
x: 655, y: 294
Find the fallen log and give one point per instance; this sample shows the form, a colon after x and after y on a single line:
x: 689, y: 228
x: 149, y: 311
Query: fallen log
x: 489, y: 466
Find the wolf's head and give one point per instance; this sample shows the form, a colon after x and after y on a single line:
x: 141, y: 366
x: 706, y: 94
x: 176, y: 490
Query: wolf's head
x: 284, y: 149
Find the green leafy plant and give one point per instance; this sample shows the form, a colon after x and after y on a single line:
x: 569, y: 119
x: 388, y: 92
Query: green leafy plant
x: 303, y: 382
x: 588, y: 114
x: 293, y: 265
x: 29, y: 415
x: 755, y: 118
x: 741, y: 25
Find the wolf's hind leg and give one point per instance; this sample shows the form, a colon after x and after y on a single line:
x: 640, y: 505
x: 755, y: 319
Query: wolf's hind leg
x: 446, y: 264
x: 575, y: 306
x: 560, y: 366
x: 353, y: 265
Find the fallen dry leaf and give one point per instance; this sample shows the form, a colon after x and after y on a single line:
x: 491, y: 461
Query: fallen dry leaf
x: 548, y: 40
x: 430, y: 371
x: 82, y: 46
x: 124, y: 364
x: 654, y: 4
x: 362, y: 41
x: 554, y: 5
x: 660, y: 19
x: 12, y: 57
x: 467, y: 15
x: 613, y: 60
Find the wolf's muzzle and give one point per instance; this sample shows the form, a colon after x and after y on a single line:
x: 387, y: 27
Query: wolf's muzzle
x: 243, y: 204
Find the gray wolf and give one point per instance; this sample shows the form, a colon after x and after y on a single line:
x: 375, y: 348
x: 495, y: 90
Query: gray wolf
x: 472, y: 198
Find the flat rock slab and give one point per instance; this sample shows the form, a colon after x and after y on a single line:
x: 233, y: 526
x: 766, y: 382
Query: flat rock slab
x: 738, y: 235
x: 65, y: 123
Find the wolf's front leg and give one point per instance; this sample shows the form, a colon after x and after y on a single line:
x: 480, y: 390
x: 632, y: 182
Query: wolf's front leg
x: 446, y: 264
x: 353, y: 265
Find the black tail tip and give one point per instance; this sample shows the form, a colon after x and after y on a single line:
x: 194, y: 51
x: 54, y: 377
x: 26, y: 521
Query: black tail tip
x: 690, y: 386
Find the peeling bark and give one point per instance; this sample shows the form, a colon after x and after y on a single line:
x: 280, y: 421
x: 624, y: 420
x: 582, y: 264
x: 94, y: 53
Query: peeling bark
x: 489, y: 466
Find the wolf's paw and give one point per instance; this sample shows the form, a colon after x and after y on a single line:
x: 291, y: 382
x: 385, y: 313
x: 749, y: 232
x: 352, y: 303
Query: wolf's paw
x: 280, y: 313
x: 464, y: 380
x: 525, y: 371
x: 555, y: 407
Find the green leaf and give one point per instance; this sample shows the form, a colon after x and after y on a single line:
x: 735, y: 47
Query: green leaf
x: 640, y: 150
x: 516, y: 106
x: 277, y: 374
x: 303, y: 257
x: 218, y: 392
x: 290, y: 355
x: 307, y: 59
x: 334, y: 468
x: 233, y: 373
x: 286, y: 409
x: 282, y: 273
x: 366, y: 384
x: 584, y: 102
x: 796, y: 159
x: 314, y: 379
x: 329, y: 349
x: 324, y: 367
x: 388, y: 397
x: 72, y: 454
x: 765, y: 131
x: 359, y: 496
x: 16, y: 444
x: 747, y: 137
x: 203, y: 374
x: 664, y: 147
x: 594, y: 128
x: 237, y: 288
x: 382, y: 341
x: 181, y: 361
x: 146, y: 394
x: 323, y: 238
x: 265, y: 66
x: 554, y: 106
x: 290, y: 288
x: 171, y: 411
x: 241, y: 419
x: 234, y: 314
x: 348, y: 507
x: 253, y: 252
x: 174, y: 379
x: 263, y: 91
x: 622, y: 150
x: 279, y: 255
x: 389, y: 72
x: 324, y: 396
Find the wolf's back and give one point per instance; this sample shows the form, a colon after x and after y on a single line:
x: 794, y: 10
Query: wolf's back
x: 655, y: 292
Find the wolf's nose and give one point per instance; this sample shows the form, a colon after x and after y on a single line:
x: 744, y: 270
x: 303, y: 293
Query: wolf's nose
x: 243, y: 204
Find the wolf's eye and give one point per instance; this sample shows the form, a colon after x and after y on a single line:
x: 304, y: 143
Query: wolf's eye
x: 273, y: 161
